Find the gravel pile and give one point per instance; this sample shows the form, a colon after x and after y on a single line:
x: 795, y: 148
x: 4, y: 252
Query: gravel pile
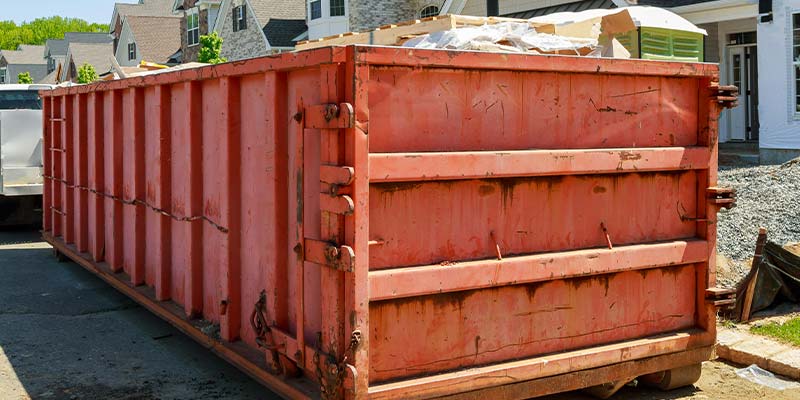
x: 768, y: 196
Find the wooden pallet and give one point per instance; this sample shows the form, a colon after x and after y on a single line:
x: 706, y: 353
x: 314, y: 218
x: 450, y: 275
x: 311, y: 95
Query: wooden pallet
x: 397, y: 34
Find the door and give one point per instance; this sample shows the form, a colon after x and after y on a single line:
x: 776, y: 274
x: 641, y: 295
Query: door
x: 737, y: 117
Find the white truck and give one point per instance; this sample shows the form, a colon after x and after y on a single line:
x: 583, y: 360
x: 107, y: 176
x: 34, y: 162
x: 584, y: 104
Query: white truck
x: 21, y: 154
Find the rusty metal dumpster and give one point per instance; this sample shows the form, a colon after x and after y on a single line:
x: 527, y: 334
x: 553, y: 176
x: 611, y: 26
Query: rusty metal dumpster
x: 388, y: 223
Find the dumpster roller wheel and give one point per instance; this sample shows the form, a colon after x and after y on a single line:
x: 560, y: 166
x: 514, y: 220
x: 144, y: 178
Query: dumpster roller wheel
x: 673, y: 378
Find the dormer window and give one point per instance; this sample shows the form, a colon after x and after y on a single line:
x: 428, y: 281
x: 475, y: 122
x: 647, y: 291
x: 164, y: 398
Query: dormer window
x: 239, y: 18
x: 429, y: 11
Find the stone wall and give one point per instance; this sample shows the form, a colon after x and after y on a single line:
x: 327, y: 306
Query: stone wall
x: 190, y: 52
x: 370, y: 14
x: 248, y: 43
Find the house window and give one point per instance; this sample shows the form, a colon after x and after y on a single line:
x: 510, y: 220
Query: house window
x: 337, y: 8
x: 796, y: 59
x: 131, y: 51
x: 315, y: 9
x: 239, y: 18
x: 429, y: 11
x: 2, y: 75
x: 192, y: 27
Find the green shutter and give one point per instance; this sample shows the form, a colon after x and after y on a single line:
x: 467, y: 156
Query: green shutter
x: 668, y: 44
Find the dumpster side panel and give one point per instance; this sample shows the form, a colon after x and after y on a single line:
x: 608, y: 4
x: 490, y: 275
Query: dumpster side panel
x: 458, y: 109
x: 448, y: 221
x: 468, y: 328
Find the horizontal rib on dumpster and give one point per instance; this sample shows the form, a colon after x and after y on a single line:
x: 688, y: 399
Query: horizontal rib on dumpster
x: 401, y: 167
x: 418, y: 281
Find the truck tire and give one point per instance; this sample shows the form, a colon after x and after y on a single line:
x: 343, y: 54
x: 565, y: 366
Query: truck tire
x: 673, y: 378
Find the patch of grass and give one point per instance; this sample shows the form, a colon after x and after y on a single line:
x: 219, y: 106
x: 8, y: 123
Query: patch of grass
x: 787, y: 332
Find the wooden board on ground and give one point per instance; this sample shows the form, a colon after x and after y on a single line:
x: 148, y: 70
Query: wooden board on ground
x: 396, y: 34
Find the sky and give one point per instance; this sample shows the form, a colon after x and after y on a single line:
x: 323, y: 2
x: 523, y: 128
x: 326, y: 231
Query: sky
x: 28, y: 10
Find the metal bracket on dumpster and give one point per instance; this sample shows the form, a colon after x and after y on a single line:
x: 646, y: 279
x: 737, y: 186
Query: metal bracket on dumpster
x: 341, y: 258
x: 335, y: 375
x: 722, y: 197
x: 329, y: 116
x: 725, y: 96
x: 343, y: 204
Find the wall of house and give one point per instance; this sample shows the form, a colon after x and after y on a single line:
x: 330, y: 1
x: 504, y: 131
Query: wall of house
x: 190, y: 52
x: 126, y: 37
x: 248, y: 43
x: 370, y: 14
x: 711, y: 43
x: 779, y: 136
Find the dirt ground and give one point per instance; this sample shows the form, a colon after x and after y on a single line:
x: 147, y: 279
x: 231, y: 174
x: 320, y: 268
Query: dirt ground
x: 718, y: 382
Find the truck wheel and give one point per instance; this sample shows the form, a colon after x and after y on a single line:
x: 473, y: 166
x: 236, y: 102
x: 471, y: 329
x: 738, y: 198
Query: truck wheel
x: 673, y: 378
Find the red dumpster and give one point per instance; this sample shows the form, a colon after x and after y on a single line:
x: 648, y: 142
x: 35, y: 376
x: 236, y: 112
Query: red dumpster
x: 387, y: 223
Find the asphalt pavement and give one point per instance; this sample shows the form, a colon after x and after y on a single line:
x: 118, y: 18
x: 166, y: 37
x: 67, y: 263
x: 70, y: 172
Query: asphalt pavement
x: 65, y: 334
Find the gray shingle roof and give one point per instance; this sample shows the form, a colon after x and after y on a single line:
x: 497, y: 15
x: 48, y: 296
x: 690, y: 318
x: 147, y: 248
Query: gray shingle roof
x: 26, y: 54
x: 573, y: 7
x: 669, y: 3
x: 57, y: 47
x: 88, y: 37
x: 149, y: 8
x: 264, y: 10
x: 281, y: 20
x: 97, y: 54
x: 280, y: 32
x: 157, y: 38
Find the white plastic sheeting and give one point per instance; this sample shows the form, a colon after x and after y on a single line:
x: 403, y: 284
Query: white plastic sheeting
x: 506, y: 36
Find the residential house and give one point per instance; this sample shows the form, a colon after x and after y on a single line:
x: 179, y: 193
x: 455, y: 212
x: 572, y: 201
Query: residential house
x: 198, y: 18
x: 254, y: 28
x: 331, y: 17
x: 99, y: 55
x: 55, y: 51
x: 144, y: 8
x: 26, y: 58
x: 152, y: 39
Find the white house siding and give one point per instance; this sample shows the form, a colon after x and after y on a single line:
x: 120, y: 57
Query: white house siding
x: 779, y: 138
x: 126, y: 37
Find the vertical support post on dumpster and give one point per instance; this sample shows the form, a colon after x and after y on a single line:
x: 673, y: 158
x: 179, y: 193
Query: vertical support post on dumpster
x: 80, y: 146
x: 68, y: 169
x: 97, y: 176
x: 332, y: 224
x: 357, y: 224
x: 706, y: 211
x: 47, y: 162
x: 230, y: 320
x: 193, y: 91
x: 162, y: 191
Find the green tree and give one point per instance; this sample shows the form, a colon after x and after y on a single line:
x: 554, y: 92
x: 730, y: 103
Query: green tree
x: 87, y: 74
x: 211, y: 47
x: 36, y: 32
x: 24, y: 78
